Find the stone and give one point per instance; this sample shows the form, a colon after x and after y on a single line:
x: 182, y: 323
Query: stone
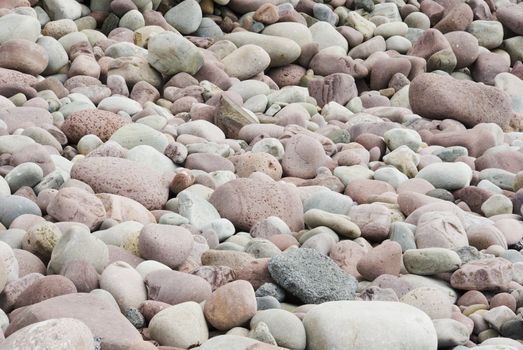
x: 185, y: 17
x: 13, y: 206
x: 451, y: 332
x: 175, y: 287
x: 74, y: 204
x: 78, y: 244
x: 430, y: 300
x: 17, y: 26
x: 246, y: 62
x: 247, y: 201
x: 382, y: 259
x: 431, y: 261
x: 107, y: 174
x: 311, y: 276
x: 230, y: 305
x: 168, y: 244
x: 182, y: 55
x: 136, y: 134
x: 14, y: 55
x: 45, y: 288
x: 181, y: 325
x: 125, y: 284
x: 484, y: 274
x: 92, y: 122
x: 351, y: 325
x: 448, y: 176
x: 56, y: 333
x: 102, y: 318
x: 440, y: 230
x: 447, y: 95
x: 509, y: 16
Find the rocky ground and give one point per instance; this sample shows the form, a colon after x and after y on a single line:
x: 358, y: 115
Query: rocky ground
x: 250, y: 174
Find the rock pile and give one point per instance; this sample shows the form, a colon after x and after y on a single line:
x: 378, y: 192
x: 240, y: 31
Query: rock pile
x: 261, y: 174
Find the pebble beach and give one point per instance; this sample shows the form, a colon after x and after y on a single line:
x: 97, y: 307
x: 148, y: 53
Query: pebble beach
x: 261, y: 174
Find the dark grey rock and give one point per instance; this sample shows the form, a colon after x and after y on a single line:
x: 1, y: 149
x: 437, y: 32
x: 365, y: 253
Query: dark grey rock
x: 135, y: 317
x: 271, y: 289
x: 311, y: 276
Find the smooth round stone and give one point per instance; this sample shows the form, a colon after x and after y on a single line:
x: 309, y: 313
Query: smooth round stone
x: 451, y: 332
x: 297, y: 32
x: 390, y: 175
x: 417, y: 20
x: 269, y: 145
x: 431, y: 261
x: 82, y: 274
x: 449, y: 176
x: 15, y: 26
x: 246, y: 62
x: 329, y: 201
x: 230, y: 342
x: 52, y: 334
x: 496, y: 204
x: 386, y: 30
x: 326, y: 36
x: 25, y: 174
x: 136, y: 134
x: 282, y: 51
x: 431, y: 301
x: 181, y: 325
x: 398, y: 137
x: 171, y: 53
x: 14, y: 55
x: 341, y: 224
x: 9, y: 264
x: 125, y: 284
x: 118, y: 103
x: 132, y: 20
x: 398, y: 43
x: 237, y: 296
x: 14, y: 206
x: 351, y: 325
x: 286, y: 328
x: 196, y: 208
x: 45, y: 288
x: 159, y: 242
x: 78, y: 244
x: 488, y: 33
x: 150, y: 157
x: 68, y: 9
x: 185, y: 17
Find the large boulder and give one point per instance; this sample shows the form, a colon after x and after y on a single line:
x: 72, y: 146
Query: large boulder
x: 435, y: 96
x: 369, y: 325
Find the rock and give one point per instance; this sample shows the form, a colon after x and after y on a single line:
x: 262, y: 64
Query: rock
x: 484, y: 274
x: 56, y: 333
x: 325, y: 323
x: 74, y: 204
x: 311, y: 276
x: 230, y: 305
x: 447, y: 95
x: 448, y: 176
x: 45, y: 288
x: 380, y: 260
x: 247, y: 201
x: 185, y: 17
x: 231, y: 118
x: 78, y: 244
x: 181, y: 325
x: 430, y: 300
x: 107, y: 174
x: 430, y: 261
x: 175, y: 287
x: 246, y: 62
x: 24, y: 56
x: 17, y: 26
x: 125, y: 284
x: 285, y: 327
x: 103, y: 320
x: 195, y: 208
x: 92, y: 122
x: 171, y: 53
x: 167, y: 244
x: 14, y: 206
x: 440, y: 229
x: 451, y: 332
x: 282, y: 51
x: 136, y: 134
x: 509, y: 16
